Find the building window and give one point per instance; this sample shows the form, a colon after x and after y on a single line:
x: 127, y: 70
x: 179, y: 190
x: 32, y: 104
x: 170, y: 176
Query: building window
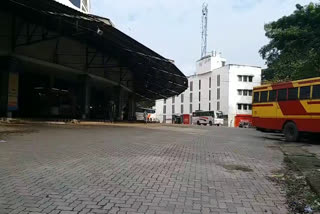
x: 218, y: 106
x: 223, y: 64
x: 164, y: 118
x: 190, y: 108
x: 239, y: 92
x: 218, y: 93
x: 199, y: 96
x: 250, y: 107
x: 173, y: 109
x: 250, y: 93
x: 199, y: 107
x: 209, y: 82
x: 210, y: 95
x: 199, y: 84
x: 245, y: 92
x: 239, y: 106
x: 242, y: 78
x: 164, y: 109
x: 191, y: 86
x: 245, y: 107
x: 173, y: 99
x: 182, y: 98
x: 182, y: 109
x: 305, y: 93
x: 209, y: 106
x: 191, y: 99
x: 218, y: 80
x: 165, y: 101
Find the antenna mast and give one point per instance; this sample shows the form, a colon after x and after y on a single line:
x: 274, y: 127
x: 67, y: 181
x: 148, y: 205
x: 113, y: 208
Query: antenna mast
x: 204, y: 33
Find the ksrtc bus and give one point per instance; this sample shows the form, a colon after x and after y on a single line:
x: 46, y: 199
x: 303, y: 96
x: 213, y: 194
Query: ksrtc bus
x: 291, y: 107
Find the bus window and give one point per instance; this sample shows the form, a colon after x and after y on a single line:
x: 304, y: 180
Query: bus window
x: 272, y: 96
x: 256, y: 97
x: 282, y: 95
x: 263, y: 97
x: 292, y: 93
x: 305, y: 93
x: 316, y: 92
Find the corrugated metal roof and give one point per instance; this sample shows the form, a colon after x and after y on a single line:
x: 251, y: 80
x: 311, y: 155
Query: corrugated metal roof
x: 152, y: 72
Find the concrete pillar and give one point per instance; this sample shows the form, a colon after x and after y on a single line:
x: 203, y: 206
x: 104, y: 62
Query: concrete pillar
x: 52, y: 81
x: 4, y: 80
x: 86, y: 98
x: 132, y: 106
x: 117, y: 101
x: 9, y: 86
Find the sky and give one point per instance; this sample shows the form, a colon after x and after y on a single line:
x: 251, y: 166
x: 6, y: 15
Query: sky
x: 172, y: 28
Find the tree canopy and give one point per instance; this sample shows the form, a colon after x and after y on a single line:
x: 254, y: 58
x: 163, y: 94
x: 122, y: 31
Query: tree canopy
x: 294, y: 48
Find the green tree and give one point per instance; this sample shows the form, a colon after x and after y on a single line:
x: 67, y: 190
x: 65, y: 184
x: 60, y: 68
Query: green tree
x: 294, y: 48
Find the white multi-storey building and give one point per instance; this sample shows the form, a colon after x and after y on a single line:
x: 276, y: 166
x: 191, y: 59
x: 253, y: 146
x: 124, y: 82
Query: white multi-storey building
x: 83, y: 5
x: 214, y: 87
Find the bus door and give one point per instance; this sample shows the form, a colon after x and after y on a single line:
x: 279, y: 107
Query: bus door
x: 281, y: 108
x: 305, y: 99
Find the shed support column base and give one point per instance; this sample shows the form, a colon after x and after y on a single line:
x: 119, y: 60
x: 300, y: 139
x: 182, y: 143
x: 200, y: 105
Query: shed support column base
x: 86, y: 100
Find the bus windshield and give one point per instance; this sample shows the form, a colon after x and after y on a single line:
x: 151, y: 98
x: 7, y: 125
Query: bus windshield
x: 219, y: 114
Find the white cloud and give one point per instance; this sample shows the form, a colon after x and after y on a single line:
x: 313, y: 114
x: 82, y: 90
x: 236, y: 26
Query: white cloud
x: 172, y: 27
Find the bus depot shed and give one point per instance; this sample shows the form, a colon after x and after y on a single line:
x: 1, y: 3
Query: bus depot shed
x: 57, y: 62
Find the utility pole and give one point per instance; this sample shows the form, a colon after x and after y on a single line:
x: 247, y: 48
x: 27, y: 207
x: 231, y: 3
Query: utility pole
x: 204, y: 33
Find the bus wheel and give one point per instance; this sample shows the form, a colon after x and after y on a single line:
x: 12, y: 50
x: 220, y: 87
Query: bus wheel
x: 210, y: 123
x: 291, y: 132
x: 198, y: 123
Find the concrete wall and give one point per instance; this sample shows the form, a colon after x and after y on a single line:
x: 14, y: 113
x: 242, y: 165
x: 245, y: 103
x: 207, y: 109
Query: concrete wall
x: 235, y: 84
x: 209, y: 63
x: 223, y: 72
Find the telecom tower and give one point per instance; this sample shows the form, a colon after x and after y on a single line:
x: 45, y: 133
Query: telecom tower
x: 204, y: 33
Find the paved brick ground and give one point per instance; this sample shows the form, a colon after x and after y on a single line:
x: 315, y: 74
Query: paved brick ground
x: 71, y: 170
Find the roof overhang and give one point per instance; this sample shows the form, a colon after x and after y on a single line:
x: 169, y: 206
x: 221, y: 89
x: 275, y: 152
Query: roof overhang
x: 155, y: 77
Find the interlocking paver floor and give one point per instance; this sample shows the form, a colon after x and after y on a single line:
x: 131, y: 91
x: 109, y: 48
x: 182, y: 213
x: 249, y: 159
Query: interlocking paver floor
x: 110, y: 169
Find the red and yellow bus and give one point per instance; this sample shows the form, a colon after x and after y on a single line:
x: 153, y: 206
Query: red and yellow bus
x: 291, y: 107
